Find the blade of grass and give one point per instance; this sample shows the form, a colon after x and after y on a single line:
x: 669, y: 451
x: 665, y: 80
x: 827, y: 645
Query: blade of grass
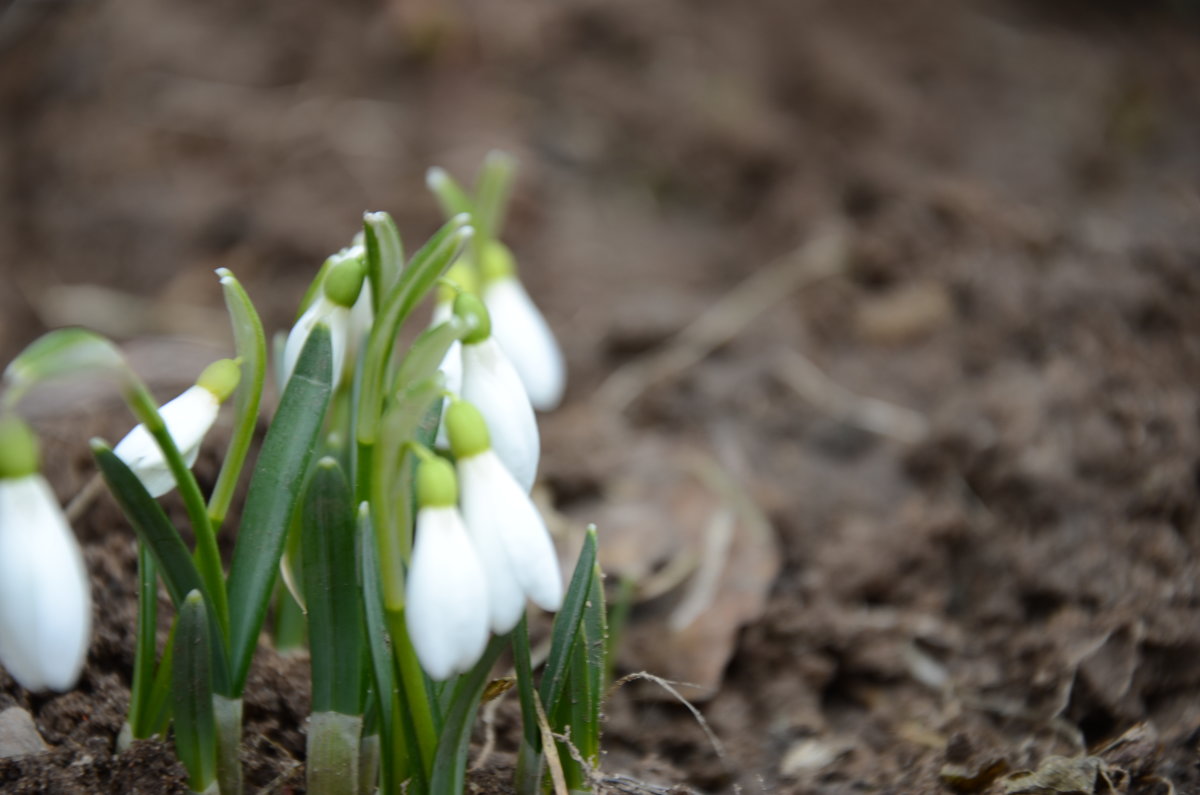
x: 251, y: 344
x: 273, y: 496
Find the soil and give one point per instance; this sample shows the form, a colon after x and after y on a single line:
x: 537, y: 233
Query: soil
x: 883, y: 327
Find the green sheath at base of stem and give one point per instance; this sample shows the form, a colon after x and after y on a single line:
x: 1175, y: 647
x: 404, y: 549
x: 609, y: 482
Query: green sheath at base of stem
x: 333, y: 748
x: 227, y: 713
x: 368, y: 763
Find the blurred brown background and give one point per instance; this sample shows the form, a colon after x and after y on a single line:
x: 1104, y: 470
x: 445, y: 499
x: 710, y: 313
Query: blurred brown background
x: 968, y: 434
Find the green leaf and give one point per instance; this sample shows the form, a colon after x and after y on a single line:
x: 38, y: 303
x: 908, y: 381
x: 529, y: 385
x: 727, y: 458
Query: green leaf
x: 578, y: 713
x: 492, y: 190
x: 145, y: 650
x: 529, y: 758
x: 251, y: 344
x: 335, y: 612
x: 155, y: 531
x: 273, y: 496
x: 450, y: 195
x: 157, y: 711
x: 395, y: 767
x: 422, y: 272
x: 385, y: 254
x: 192, y: 695
x: 68, y: 351
x: 428, y: 351
x: 449, y: 765
x: 566, y: 624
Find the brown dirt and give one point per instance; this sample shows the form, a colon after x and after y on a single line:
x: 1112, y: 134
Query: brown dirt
x: 1007, y: 575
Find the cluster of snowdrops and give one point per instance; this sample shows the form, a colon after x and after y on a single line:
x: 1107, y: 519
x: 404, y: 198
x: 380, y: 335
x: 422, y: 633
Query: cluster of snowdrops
x: 392, y: 492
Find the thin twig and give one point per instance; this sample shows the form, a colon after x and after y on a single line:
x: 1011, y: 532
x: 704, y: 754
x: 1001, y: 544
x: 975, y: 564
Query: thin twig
x: 868, y: 413
x: 822, y: 256
x: 669, y: 686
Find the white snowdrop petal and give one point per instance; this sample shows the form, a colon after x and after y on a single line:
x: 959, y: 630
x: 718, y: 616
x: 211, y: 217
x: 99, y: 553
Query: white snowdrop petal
x: 188, y: 418
x: 528, y: 341
x: 499, y: 511
x: 506, y: 599
x: 446, y: 607
x: 45, y: 600
x: 492, y: 385
x: 338, y: 320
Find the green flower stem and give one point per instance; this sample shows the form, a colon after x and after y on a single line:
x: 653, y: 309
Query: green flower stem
x: 333, y: 748
x: 227, y: 713
x: 145, y: 649
x: 416, y: 694
x: 251, y: 345
x: 207, y: 554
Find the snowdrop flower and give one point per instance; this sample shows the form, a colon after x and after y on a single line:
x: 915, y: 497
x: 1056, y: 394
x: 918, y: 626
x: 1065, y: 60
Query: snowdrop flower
x: 462, y: 276
x: 188, y: 418
x: 521, y: 329
x: 45, y: 601
x: 491, y: 383
x: 333, y: 305
x: 446, y: 608
x: 508, y: 532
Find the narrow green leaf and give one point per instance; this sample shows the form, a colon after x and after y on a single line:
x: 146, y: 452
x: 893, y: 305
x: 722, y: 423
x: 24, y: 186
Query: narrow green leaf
x: 450, y: 195
x: 273, y: 496
x: 426, y: 266
x: 335, y: 612
x: 157, y: 709
x: 566, y: 624
x: 492, y: 190
x: 394, y: 766
x: 385, y: 254
x: 68, y: 351
x: 251, y: 344
x: 145, y: 651
x: 578, y: 714
x: 155, y: 531
x: 428, y: 351
x: 529, y: 758
x: 449, y: 765
x: 192, y: 696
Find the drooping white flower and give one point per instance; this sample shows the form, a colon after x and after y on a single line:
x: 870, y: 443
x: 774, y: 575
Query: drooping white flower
x: 188, y: 418
x: 446, y: 609
x: 45, y: 600
x: 522, y: 331
x: 337, y: 295
x: 508, y: 532
x: 490, y: 382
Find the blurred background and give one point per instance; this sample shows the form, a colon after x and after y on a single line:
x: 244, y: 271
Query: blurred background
x: 882, y: 319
